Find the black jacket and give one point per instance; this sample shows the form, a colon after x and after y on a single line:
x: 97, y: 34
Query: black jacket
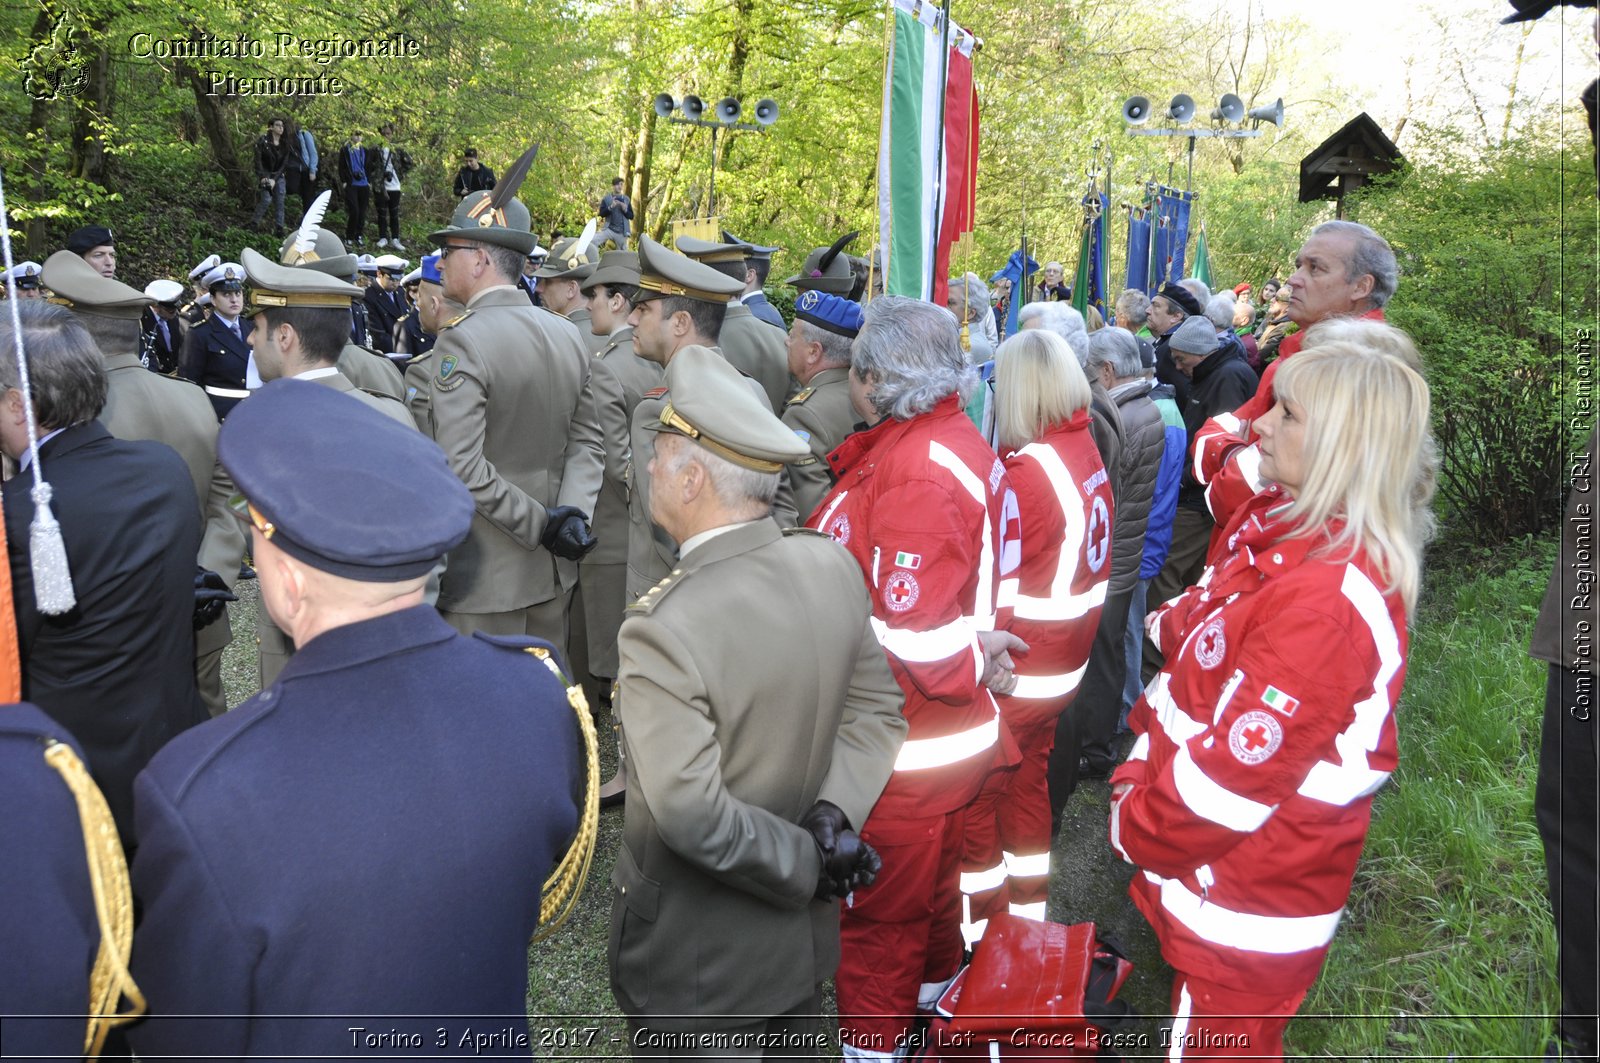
x: 1220, y: 384
x: 118, y: 670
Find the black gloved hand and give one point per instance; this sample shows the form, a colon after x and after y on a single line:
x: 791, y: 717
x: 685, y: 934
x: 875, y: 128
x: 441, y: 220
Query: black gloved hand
x: 211, y: 597
x: 566, y: 532
x: 845, y: 857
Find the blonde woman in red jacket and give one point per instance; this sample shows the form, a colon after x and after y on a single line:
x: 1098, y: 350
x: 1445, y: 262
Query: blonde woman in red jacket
x: 1246, y: 799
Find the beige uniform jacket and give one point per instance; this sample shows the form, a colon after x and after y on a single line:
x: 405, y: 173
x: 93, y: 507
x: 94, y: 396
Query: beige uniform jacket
x: 751, y: 686
x: 372, y: 371
x: 145, y: 405
x: 821, y: 415
x: 757, y: 350
x: 592, y: 344
x: 621, y: 379
x: 510, y: 403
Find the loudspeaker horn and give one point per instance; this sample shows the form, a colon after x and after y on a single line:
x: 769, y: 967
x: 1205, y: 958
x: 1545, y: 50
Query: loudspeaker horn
x: 766, y: 111
x: 1136, y: 110
x: 1229, y: 109
x: 728, y: 110
x: 665, y: 105
x: 1181, y: 109
x: 1273, y: 114
x: 693, y: 107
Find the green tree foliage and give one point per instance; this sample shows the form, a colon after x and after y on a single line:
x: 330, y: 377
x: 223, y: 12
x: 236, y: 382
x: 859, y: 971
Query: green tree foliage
x: 1497, y: 277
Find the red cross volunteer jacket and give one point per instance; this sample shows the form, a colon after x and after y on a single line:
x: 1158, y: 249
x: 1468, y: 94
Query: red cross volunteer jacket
x: 1064, y: 496
x: 925, y: 508
x: 1259, y: 747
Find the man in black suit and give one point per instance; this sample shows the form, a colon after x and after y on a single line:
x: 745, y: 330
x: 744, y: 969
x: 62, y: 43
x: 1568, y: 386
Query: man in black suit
x: 338, y: 846
x: 385, y: 302
x: 117, y: 670
x: 161, y: 330
x: 218, y: 349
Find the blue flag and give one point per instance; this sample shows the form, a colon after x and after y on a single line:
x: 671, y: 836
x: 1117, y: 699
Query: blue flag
x: 1013, y: 272
x: 1139, y: 250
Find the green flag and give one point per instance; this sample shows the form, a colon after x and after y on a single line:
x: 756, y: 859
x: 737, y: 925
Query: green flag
x: 1080, y: 281
x: 1202, y: 259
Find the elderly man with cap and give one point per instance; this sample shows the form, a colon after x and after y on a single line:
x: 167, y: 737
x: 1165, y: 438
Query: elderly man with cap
x: 421, y: 326
x: 1168, y: 309
x: 367, y: 836
x: 97, y: 246
x: 560, y: 286
x: 723, y: 913
x: 312, y: 247
x: 24, y: 276
x: 510, y: 401
x: 385, y: 302
x: 300, y: 317
x: 757, y: 266
x: 620, y: 380
x: 162, y: 331
x: 749, y: 344
x: 218, y: 350
x: 144, y: 405
x: 117, y: 669
x: 820, y: 413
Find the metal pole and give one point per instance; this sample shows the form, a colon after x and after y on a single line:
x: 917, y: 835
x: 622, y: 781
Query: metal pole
x: 711, y: 200
x: 1188, y: 182
x: 938, y: 173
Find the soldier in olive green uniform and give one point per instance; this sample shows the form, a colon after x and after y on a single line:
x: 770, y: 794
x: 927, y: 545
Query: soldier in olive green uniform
x: 820, y: 413
x: 301, y: 316
x: 723, y: 902
x: 753, y: 347
x: 510, y: 403
x: 620, y: 380
x: 145, y: 405
x: 313, y: 247
x: 560, y: 285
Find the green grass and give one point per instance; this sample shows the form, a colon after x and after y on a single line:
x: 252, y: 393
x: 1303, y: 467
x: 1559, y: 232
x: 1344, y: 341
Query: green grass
x: 1446, y: 949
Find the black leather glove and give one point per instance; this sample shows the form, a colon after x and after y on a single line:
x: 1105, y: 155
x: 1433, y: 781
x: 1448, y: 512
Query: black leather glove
x: 211, y: 597
x: 566, y: 532
x: 847, y: 861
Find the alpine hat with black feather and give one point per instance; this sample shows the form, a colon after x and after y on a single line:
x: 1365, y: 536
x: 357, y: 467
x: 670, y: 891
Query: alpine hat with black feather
x: 826, y: 269
x: 496, y: 216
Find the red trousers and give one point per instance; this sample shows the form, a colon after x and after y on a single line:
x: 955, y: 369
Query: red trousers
x: 1005, y: 864
x: 1215, y: 1022
x: 899, y: 939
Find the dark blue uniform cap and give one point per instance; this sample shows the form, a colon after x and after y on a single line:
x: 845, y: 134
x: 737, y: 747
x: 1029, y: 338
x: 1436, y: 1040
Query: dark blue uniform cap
x: 430, y: 270
x: 832, y: 312
x: 343, y: 488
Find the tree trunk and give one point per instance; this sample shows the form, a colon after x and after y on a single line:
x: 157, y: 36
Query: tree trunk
x: 219, y: 134
x: 35, y: 236
x: 91, y: 110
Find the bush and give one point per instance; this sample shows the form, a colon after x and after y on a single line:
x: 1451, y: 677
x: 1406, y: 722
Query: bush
x: 1495, y: 284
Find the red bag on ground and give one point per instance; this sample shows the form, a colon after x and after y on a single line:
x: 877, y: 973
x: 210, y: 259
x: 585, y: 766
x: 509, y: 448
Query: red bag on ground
x: 1033, y: 991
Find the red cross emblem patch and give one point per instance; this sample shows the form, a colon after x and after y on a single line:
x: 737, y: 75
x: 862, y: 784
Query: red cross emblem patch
x: 1210, y: 645
x: 1254, y: 737
x: 900, y: 591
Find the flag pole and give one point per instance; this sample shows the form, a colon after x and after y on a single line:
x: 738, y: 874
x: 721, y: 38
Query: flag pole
x: 939, y: 169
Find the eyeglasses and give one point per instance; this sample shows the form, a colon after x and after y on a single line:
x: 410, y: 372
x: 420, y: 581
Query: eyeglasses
x: 445, y: 249
x: 250, y: 516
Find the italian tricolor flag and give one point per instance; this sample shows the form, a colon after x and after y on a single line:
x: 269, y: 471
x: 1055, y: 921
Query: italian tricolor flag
x: 915, y: 236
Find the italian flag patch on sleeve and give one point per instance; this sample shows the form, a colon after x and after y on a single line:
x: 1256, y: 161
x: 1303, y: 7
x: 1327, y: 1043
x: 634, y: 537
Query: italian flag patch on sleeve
x: 905, y: 560
x: 1279, y: 702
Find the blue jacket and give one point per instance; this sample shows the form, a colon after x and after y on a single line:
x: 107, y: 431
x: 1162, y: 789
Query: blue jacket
x: 366, y: 837
x: 1164, y: 506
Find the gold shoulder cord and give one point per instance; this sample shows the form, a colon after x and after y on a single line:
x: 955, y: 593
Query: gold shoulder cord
x: 113, y: 902
x: 565, y: 884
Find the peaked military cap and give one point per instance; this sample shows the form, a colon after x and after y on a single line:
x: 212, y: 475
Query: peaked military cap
x: 664, y: 273
x: 750, y: 250
x: 273, y: 285
x: 88, y: 238
x: 206, y: 266
x: 164, y: 291
x: 708, y: 252
x: 367, y: 264
x: 379, y: 503
x: 78, y: 285
x: 615, y: 268
x: 228, y: 277
x: 826, y: 269
x: 713, y: 405
x: 832, y: 312
x: 391, y: 263
x: 24, y: 274
x: 566, y: 264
